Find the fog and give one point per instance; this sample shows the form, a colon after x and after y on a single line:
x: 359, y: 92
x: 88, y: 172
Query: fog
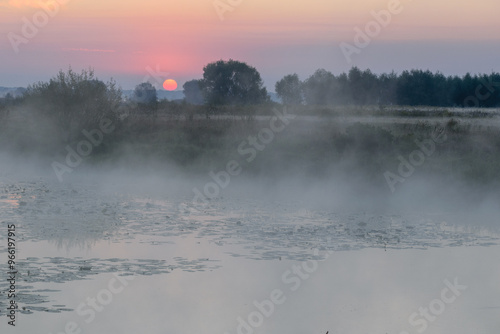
x: 210, y: 215
x: 343, y: 164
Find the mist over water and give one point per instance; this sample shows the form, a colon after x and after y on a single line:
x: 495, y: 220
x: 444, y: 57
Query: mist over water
x: 227, y: 208
x: 342, y: 177
x: 337, y: 164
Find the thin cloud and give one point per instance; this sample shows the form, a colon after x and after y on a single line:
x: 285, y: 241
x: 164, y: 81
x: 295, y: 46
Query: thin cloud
x: 88, y: 50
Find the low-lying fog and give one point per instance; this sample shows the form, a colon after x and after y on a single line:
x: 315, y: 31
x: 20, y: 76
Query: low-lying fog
x: 191, y: 208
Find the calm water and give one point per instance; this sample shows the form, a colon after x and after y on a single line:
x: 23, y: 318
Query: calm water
x: 108, y: 259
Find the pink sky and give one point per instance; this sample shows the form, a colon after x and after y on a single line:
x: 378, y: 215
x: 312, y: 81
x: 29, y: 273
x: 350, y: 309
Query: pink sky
x: 126, y: 39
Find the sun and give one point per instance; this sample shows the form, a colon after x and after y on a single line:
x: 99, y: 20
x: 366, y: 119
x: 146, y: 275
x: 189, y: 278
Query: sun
x: 170, y: 84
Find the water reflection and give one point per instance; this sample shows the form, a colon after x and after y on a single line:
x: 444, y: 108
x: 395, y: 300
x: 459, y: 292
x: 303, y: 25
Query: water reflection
x: 204, y: 271
x: 363, y: 291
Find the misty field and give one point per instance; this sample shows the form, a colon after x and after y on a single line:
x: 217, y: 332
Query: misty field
x: 315, y: 142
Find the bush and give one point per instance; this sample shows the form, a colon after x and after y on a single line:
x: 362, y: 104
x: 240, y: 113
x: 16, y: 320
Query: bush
x: 74, y: 102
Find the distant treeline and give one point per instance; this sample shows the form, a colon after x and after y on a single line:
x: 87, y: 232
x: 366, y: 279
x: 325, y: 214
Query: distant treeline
x: 76, y: 117
x: 233, y: 83
x: 414, y: 88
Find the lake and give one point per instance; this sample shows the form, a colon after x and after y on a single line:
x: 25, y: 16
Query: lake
x: 104, y: 254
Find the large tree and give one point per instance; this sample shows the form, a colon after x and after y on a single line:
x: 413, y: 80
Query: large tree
x: 232, y: 82
x: 289, y: 89
x: 75, y: 101
x: 319, y: 88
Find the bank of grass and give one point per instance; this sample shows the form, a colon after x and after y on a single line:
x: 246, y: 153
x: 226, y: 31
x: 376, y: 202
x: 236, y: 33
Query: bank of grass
x: 471, y: 152
x: 333, y: 111
x: 327, y: 147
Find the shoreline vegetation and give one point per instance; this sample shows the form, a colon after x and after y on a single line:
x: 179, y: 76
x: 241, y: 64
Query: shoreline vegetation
x: 78, y: 113
x: 317, y: 141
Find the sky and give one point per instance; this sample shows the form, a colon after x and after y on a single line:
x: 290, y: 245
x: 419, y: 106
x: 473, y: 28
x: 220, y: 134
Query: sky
x: 154, y: 40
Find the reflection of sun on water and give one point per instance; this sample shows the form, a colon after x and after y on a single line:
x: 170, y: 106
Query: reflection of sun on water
x: 12, y: 200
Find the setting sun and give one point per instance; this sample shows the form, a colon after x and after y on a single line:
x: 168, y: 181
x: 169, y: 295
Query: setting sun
x: 170, y: 84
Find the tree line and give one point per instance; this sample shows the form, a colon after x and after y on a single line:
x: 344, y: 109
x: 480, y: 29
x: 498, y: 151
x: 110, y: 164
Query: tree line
x: 75, y: 100
x: 233, y: 82
x: 413, y: 88
x: 71, y: 103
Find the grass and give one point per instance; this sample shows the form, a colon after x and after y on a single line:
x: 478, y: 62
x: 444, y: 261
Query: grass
x: 320, y: 149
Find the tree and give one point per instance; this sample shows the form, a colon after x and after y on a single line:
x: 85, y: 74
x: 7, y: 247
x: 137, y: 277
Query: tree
x: 363, y: 86
x: 387, y: 88
x: 145, y: 96
x: 289, y: 89
x: 232, y: 82
x: 75, y: 101
x: 319, y: 87
x: 4, y: 111
x: 192, y: 92
x: 492, y: 84
x: 341, y: 90
x: 417, y: 87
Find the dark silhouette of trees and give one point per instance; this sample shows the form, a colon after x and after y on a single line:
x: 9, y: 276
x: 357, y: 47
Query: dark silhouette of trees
x: 192, y: 92
x: 462, y: 89
x: 413, y: 88
x: 422, y: 88
x: 387, y: 84
x: 363, y: 86
x: 145, y: 97
x: 75, y: 101
x: 232, y: 83
x: 289, y: 89
x: 318, y: 88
